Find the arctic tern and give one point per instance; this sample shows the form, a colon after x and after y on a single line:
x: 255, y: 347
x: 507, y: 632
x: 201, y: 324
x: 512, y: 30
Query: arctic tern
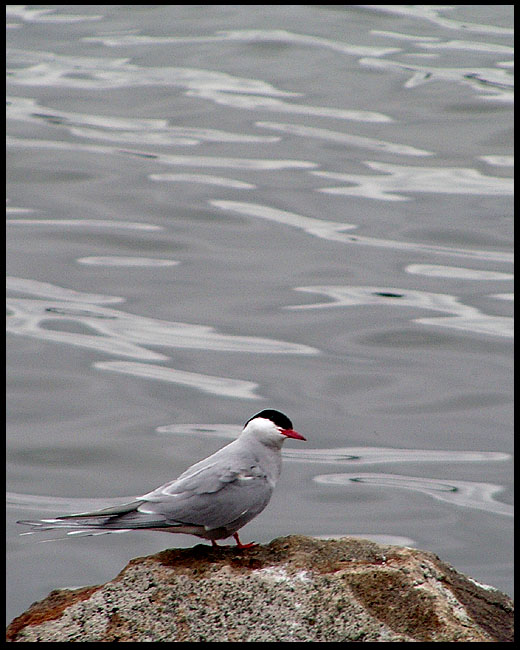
x: 212, y: 499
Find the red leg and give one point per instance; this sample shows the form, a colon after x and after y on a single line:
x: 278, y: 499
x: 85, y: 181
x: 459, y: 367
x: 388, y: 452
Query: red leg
x: 214, y: 543
x: 239, y: 543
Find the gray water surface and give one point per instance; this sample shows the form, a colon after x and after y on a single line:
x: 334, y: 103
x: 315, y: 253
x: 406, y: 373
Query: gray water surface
x: 218, y: 209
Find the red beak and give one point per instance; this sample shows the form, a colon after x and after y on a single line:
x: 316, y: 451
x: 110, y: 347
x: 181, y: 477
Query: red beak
x: 290, y: 433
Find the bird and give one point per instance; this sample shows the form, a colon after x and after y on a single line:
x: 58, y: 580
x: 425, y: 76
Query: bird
x: 212, y: 499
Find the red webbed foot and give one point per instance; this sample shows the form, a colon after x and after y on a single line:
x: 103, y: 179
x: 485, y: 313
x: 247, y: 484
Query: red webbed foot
x: 240, y: 545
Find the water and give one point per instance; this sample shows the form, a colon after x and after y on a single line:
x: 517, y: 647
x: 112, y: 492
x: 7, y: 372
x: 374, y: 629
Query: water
x: 215, y: 210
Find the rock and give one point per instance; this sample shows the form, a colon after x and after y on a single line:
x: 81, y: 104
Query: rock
x: 294, y: 589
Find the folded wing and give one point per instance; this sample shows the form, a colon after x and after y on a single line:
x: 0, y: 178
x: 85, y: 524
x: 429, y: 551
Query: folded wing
x: 207, y: 495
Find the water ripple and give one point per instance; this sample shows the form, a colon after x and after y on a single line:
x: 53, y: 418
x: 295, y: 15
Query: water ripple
x: 488, y: 83
x: 227, y: 431
x: 273, y: 104
x: 469, y: 46
x: 247, y: 36
x: 123, y: 334
x: 221, y: 386
x: 362, y: 142
x: 126, y: 262
x: 333, y: 231
x: 167, y: 159
x: 66, y: 505
x: 456, y: 272
x: 48, y: 290
x: 84, y: 223
x: 499, y: 161
x: 463, y: 317
x: 377, y: 455
x: 52, y: 70
x: 344, y: 455
x: 433, y: 14
x: 204, y: 179
x: 23, y: 12
x: 49, y: 70
x: 112, y: 128
x: 118, y: 332
x: 405, y: 178
x: 467, y: 494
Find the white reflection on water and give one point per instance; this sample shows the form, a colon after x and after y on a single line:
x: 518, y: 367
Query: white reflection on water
x: 57, y: 311
x: 84, y: 223
x: 362, y: 142
x: 489, y: 82
x: 63, y: 505
x: 499, y: 161
x: 52, y: 70
x: 405, y: 178
x: 333, y: 231
x: 204, y: 179
x: 494, y: 84
x: 38, y: 68
x: 248, y: 36
x: 222, y: 386
x: 122, y: 128
x: 117, y: 326
x: 456, y: 272
x: 48, y: 290
x: 220, y: 161
x: 434, y: 14
x: 464, y: 317
x: 166, y: 159
x: 468, y: 494
x: 12, y: 209
x: 377, y: 455
x: 344, y: 455
x: 437, y: 44
x: 503, y: 296
x: 469, y: 46
x: 119, y: 260
x: 29, y: 15
x: 228, y: 431
x: 257, y: 102
x: 123, y: 333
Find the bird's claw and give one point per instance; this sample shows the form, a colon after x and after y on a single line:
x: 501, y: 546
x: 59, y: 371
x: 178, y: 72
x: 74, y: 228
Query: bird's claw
x: 240, y: 545
x: 248, y: 545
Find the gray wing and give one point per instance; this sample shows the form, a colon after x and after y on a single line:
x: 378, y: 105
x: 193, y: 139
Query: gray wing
x: 211, y: 494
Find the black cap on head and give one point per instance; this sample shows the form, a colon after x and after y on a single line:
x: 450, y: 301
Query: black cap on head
x: 276, y: 417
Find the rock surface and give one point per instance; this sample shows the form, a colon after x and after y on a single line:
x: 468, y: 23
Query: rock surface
x: 293, y: 589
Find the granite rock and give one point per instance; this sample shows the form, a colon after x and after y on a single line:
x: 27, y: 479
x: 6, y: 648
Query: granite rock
x: 294, y: 589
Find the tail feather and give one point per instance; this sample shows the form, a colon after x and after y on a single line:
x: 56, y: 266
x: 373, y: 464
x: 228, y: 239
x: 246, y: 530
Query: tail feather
x: 114, y: 519
x: 118, y: 510
x: 86, y: 532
